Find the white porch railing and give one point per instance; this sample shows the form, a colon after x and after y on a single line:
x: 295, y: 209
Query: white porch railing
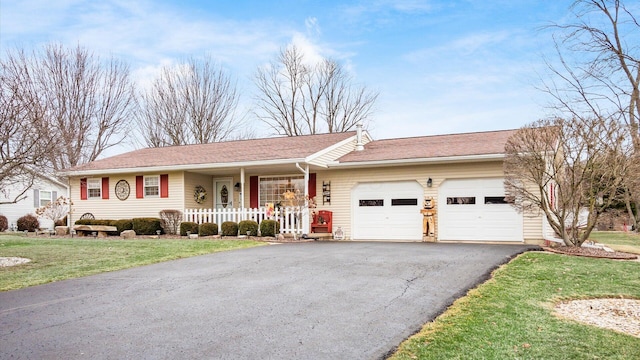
x: 290, y: 218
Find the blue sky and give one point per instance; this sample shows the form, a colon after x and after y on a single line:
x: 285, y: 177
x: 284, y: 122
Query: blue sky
x: 440, y: 66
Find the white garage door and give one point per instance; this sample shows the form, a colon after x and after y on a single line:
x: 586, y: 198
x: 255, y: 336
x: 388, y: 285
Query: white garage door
x: 387, y: 211
x: 474, y: 209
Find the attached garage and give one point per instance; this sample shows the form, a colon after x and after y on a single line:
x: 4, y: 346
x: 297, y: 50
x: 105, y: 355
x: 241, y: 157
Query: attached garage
x: 474, y: 209
x: 387, y: 211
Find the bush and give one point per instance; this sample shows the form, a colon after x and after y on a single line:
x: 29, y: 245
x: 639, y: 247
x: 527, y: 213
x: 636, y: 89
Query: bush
x: 229, y: 228
x: 208, y: 229
x: 28, y: 222
x: 170, y: 220
x: 4, y: 223
x: 269, y: 228
x: 188, y: 226
x: 146, y: 226
x: 94, y: 222
x: 248, y: 225
x: 122, y: 224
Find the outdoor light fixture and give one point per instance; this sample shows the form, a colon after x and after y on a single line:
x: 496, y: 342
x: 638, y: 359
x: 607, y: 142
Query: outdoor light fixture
x: 236, y: 187
x: 429, y: 182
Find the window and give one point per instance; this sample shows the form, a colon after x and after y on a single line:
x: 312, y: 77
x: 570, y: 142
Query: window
x: 461, y: 200
x: 495, y: 200
x: 404, y: 202
x: 94, y: 188
x: 272, y: 188
x: 45, y: 197
x: 151, y: 186
x: 376, y: 202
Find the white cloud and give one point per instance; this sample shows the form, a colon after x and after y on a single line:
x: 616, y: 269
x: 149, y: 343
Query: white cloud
x: 313, y: 28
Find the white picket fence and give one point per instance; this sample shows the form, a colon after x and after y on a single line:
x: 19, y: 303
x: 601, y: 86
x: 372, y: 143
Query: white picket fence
x: 290, y: 218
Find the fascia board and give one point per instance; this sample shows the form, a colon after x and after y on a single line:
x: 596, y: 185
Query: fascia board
x: 327, y: 150
x: 184, y: 167
x: 417, y: 161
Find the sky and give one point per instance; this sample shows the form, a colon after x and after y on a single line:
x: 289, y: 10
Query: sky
x: 440, y: 67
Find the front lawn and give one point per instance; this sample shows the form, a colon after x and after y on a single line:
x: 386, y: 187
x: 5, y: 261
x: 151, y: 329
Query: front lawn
x: 54, y: 259
x: 510, y: 316
x: 618, y: 240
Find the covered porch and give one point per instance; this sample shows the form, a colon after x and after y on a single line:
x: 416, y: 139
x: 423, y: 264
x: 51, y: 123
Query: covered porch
x: 283, y: 192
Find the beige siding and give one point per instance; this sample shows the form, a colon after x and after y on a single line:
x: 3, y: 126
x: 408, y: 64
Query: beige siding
x: 113, y: 208
x: 343, y: 181
x: 191, y: 180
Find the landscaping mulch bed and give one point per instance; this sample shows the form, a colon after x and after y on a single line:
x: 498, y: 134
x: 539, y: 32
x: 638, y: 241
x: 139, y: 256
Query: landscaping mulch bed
x: 591, y: 252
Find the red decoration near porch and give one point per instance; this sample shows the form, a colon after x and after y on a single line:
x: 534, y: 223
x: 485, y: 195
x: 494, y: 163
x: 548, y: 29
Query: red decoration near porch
x: 312, y: 185
x: 253, y: 192
x: 323, y: 222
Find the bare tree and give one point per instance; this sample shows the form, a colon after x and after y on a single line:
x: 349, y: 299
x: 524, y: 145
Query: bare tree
x: 190, y: 103
x: 599, y: 70
x: 570, y: 170
x: 82, y: 102
x: 24, y: 143
x: 298, y: 98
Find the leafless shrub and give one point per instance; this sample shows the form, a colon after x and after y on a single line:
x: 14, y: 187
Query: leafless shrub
x: 170, y: 221
x: 565, y: 168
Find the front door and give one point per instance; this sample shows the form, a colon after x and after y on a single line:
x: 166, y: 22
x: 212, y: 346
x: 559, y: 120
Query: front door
x: 223, y: 194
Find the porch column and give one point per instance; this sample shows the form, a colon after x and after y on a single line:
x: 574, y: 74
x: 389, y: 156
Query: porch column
x: 305, y: 211
x: 242, y: 189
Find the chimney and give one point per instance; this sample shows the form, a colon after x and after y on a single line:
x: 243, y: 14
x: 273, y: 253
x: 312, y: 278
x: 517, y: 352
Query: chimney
x: 359, y: 144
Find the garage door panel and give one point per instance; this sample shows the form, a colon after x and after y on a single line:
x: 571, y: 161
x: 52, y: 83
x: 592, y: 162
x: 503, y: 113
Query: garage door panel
x: 387, y: 211
x: 470, y: 209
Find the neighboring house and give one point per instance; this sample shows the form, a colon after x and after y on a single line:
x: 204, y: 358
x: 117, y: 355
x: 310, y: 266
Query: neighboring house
x: 447, y: 186
x: 44, y: 190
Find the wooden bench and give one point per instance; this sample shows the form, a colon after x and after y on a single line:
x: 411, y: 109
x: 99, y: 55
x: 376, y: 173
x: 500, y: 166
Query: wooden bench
x: 100, y: 230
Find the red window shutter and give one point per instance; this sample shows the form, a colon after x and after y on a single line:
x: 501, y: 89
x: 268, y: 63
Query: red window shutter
x: 139, y: 187
x: 312, y: 185
x: 253, y: 192
x: 83, y: 189
x: 164, y: 185
x: 105, y: 188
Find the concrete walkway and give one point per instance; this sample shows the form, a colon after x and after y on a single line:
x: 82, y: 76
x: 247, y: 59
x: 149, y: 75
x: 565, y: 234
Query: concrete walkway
x: 345, y: 300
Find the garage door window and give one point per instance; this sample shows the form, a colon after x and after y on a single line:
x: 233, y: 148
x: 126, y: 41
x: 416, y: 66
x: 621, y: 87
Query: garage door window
x: 404, y: 202
x: 495, y: 200
x: 376, y: 202
x: 461, y: 200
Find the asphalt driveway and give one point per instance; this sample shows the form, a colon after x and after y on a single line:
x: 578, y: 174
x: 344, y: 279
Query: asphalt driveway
x: 345, y: 300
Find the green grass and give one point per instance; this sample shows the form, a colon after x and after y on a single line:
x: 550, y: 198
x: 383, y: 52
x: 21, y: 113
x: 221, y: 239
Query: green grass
x: 618, y: 240
x: 510, y: 316
x: 56, y: 259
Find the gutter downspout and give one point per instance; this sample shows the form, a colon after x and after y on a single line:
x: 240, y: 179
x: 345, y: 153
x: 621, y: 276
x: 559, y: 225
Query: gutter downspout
x: 305, y: 210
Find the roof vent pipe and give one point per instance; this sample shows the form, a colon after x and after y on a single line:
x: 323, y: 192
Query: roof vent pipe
x: 359, y: 144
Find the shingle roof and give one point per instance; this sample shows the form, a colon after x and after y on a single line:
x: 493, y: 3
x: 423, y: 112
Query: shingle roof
x: 423, y: 147
x: 221, y: 152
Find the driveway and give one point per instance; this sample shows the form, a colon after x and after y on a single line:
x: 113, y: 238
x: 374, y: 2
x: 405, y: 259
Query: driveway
x: 324, y: 300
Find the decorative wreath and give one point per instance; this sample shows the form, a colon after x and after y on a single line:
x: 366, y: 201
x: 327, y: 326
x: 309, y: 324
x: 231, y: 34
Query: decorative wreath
x: 200, y: 194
